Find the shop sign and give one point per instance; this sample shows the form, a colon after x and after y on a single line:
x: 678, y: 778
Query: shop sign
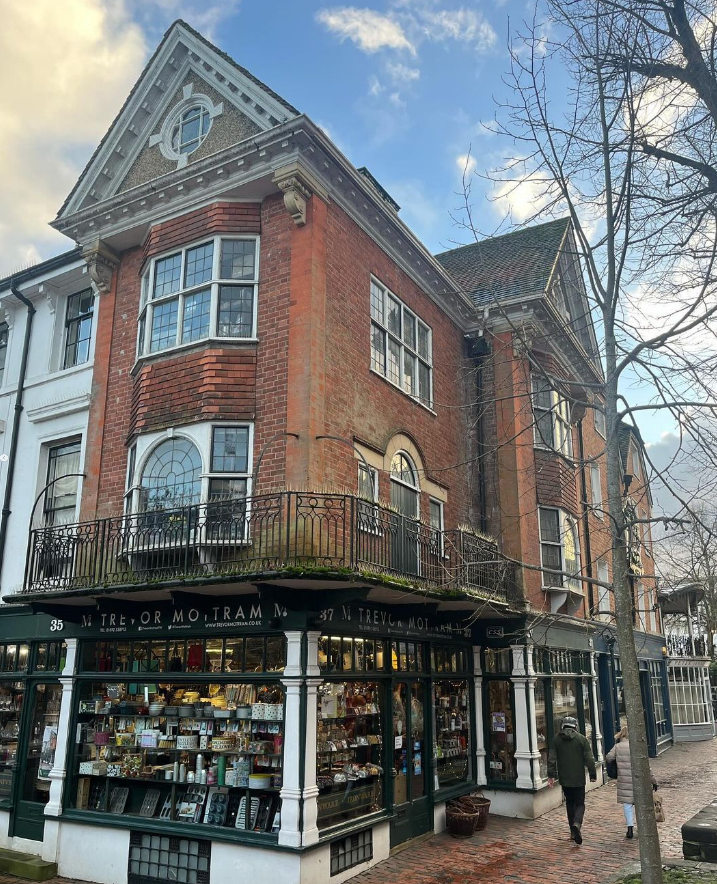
x: 495, y: 632
x: 353, y: 798
x: 379, y: 620
x: 248, y: 612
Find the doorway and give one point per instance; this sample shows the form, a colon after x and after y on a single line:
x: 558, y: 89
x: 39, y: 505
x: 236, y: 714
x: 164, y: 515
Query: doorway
x: 33, y: 791
x: 405, y: 524
x: 412, y: 807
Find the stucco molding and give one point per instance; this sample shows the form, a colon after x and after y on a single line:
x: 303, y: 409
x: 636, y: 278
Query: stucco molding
x: 59, y: 407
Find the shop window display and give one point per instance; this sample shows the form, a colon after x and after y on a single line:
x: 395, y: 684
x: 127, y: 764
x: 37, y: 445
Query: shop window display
x: 565, y: 701
x: 349, y: 747
x: 451, y: 728
x: 541, y: 724
x: 205, y: 754
x: 12, y: 694
x: 337, y: 654
x: 501, y: 729
x: 43, y: 741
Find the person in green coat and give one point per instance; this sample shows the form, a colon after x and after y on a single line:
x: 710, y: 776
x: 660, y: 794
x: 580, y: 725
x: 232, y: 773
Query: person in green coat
x: 569, y: 755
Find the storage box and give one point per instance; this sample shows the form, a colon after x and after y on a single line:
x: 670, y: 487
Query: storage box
x: 83, y: 793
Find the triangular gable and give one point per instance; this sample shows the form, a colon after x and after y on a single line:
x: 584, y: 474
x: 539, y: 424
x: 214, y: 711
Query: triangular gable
x: 185, y: 72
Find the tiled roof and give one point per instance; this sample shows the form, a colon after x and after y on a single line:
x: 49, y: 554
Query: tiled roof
x: 514, y: 265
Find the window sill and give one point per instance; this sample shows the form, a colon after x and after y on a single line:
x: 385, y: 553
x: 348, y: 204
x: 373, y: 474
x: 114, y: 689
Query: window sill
x: 401, y: 390
x: 193, y: 345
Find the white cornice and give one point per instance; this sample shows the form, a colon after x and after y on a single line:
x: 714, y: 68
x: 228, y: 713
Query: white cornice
x: 59, y: 407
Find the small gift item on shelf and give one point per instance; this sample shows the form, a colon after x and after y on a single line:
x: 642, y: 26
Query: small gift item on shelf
x: 114, y: 770
x: 131, y: 765
x: 125, y: 739
x: 217, y: 807
x: 259, y: 781
x: 149, y: 803
x: 118, y: 799
x: 187, y: 742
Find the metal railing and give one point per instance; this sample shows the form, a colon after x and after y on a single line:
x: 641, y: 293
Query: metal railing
x: 258, y: 535
x: 682, y: 646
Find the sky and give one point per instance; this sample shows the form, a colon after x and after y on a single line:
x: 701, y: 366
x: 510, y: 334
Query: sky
x: 405, y: 87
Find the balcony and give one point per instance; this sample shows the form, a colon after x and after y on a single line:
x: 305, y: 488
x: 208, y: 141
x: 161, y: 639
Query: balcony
x: 259, y: 536
x: 684, y: 646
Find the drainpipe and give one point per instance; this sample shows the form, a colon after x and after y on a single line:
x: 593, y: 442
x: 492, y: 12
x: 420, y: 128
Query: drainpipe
x: 586, y: 520
x: 479, y: 350
x: 12, y: 454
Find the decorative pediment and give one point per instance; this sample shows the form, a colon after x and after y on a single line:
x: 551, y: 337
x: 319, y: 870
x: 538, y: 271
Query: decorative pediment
x: 191, y: 101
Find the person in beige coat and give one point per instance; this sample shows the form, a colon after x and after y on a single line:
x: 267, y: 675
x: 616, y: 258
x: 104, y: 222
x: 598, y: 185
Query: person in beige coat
x: 620, y: 752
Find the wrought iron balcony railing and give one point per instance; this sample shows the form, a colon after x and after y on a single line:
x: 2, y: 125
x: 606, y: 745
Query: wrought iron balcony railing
x: 682, y: 646
x: 259, y: 535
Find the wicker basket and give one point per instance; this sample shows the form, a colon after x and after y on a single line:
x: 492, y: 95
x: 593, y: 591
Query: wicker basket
x: 481, y: 806
x: 460, y: 824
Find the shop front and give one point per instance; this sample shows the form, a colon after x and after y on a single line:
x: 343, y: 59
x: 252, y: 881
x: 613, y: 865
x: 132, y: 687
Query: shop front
x: 209, y: 733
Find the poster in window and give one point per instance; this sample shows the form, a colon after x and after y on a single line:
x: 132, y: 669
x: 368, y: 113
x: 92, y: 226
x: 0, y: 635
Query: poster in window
x: 498, y: 722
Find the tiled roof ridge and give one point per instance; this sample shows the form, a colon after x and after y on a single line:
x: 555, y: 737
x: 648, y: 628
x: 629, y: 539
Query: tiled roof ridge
x: 493, y: 239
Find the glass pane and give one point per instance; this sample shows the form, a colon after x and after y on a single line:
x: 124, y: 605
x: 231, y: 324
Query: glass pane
x: 177, y: 655
x: 158, y: 656
x: 424, y: 384
x: 275, y: 653
x: 61, y: 497
x: 541, y: 722
x: 43, y: 741
x: 393, y: 316
x: 393, y: 368
x: 417, y: 743
x: 236, y: 311
x: 171, y: 476
x: 214, y: 654
x: 409, y: 373
x: 254, y: 660
x: 234, y: 655
x: 164, y: 325
x: 122, y: 657
x: 501, y: 739
x: 198, y: 265
x: 565, y: 701
x: 349, y: 751
x: 550, y: 525
x: 400, y: 743
x: 409, y: 329
x: 41, y: 657
x: 451, y: 732
x: 238, y: 259
x: 195, y: 322
x: 378, y: 349
x: 230, y: 450
x: 167, y: 275
x: 424, y: 342
x: 377, y: 303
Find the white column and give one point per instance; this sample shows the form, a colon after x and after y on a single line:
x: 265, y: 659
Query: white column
x: 59, y: 770
x: 480, y: 752
x: 523, y: 755
x: 532, y: 724
x: 290, y: 829
x: 596, y: 709
x: 310, y: 833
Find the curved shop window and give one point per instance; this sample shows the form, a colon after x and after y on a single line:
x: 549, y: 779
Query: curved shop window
x: 191, y: 734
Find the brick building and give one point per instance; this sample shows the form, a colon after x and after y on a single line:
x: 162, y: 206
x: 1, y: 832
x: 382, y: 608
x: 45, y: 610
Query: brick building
x: 280, y: 617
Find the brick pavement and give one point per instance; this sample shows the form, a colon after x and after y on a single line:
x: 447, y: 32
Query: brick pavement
x: 539, y: 851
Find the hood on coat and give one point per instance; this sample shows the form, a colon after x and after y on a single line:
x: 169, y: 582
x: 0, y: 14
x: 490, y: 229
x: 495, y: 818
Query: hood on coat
x: 568, y: 733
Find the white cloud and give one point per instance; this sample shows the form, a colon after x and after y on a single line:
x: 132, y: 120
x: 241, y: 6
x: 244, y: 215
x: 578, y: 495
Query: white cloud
x: 401, y: 73
x: 463, y: 25
x: 71, y: 65
x: 368, y: 29
x: 374, y: 86
x: 466, y: 164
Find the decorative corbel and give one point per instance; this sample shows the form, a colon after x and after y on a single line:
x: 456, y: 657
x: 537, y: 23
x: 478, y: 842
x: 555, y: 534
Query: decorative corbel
x: 101, y: 262
x: 51, y: 294
x: 298, y: 185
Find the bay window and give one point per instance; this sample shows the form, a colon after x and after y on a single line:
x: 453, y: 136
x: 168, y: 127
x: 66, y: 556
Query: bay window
x: 559, y: 549
x: 203, y: 291
x: 401, y: 345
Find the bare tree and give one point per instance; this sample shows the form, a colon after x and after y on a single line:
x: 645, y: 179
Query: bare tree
x: 627, y: 150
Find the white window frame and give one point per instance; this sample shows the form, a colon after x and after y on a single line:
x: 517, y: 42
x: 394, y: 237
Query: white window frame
x: 66, y: 329
x: 600, y: 420
x: 603, y: 574
x: 636, y: 466
x: 201, y: 435
x: 566, y: 523
x: 558, y: 408
x: 652, y: 612
x: 368, y: 516
x: 641, y: 605
x: 148, y: 303
x: 596, y: 490
x: 407, y: 354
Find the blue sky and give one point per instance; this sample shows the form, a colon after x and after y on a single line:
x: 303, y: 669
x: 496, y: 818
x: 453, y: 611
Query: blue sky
x: 404, y: 87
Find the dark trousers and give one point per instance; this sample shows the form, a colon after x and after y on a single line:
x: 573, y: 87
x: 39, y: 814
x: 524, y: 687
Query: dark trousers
x: 575, y: 804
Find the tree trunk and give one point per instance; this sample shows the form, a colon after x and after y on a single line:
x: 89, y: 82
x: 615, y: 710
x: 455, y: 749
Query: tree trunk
x: 650, y: 857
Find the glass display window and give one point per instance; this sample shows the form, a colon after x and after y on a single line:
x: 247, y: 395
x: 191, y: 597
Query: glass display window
x: 541, y: 726
x: 351, y: 655
x: 565, y: 700
x: 40, y: 757
x: 501, y: 732
x: 451, y: 732
x: 349, y: 751
x: 12, y: 696
x: 498, y: 660
x: 208, y: 754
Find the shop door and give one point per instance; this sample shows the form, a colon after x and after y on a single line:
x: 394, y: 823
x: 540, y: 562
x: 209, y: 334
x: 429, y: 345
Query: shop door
x: 36, y: 761
x: 411, y: 804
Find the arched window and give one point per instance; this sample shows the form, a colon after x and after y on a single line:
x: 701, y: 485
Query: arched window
x: 171, y: 476
x: 404, y: 485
